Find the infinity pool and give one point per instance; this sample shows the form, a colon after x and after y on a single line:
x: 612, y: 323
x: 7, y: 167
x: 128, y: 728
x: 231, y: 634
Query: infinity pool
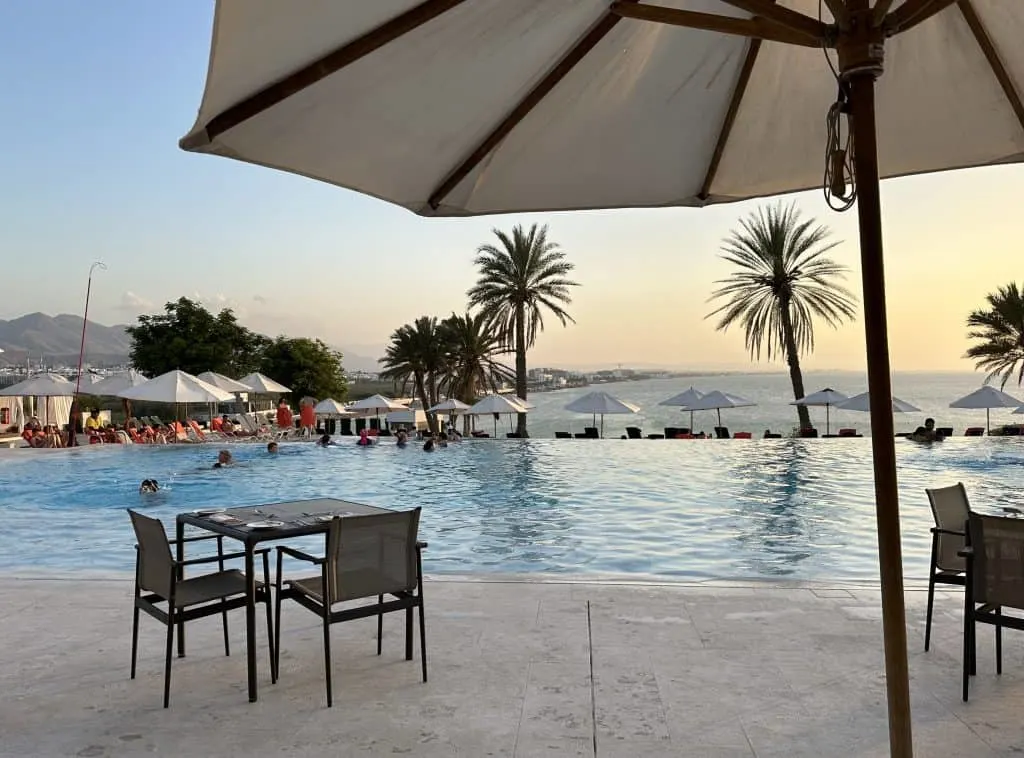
x: 650, y: 508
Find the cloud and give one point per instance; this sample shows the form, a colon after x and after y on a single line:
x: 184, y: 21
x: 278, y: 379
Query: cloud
x: 261, y: 299
x: 133, y: 303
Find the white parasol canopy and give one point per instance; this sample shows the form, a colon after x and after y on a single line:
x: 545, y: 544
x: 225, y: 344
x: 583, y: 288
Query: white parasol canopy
x: 827, y: 398
x: 115, y: 384
x: 986, y: 397
x: 224, y: 382
x: 41, y: 385
x: 263, y: 385
x: 717, y: 400
x: 862, y: 402
x: 331, y: 407
x: 497, y: 405
x: 684, y: 399
x: 599, y: 404
x: 525, y: 403
x: 176, y: 387
x: 451, y: 405
x: 376, y: 404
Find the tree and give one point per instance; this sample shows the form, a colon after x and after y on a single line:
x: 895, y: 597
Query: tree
x: 1000, y: 328
x: 416, y: 353
x: 471, y: 355
x: 783, y: 281
x: 188, y: 337
x: 521, y: 278
x: 307, y: 366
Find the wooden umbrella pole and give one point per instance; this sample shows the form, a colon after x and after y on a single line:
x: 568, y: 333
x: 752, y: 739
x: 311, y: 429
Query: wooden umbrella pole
x: 861, y: 79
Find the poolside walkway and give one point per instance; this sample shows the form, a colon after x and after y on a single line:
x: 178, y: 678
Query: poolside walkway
x: 516, y: 669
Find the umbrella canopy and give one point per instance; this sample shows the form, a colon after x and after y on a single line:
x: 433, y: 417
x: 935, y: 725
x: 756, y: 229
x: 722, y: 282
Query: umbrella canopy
x: 223, y: 382
x: 263, y: 385
x: 827, y: 398
x: 494, y: 403
x: 449, y: 107
x: 376, y: 404
x: 684, y: 399
x: 600, y: 403
x: 41, y: 385
x: 862, y: 402
x: 115, y: 384
x: 525, y: 403
x: 176, y: 387
x: 451, y: 405
x: 986, y: 397
x: 716, y: 401
x: 331, y: 407
x: 88, y: 378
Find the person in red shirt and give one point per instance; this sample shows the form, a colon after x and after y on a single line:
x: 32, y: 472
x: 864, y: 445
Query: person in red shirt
x: 307, y: 418
x: 284, y: 415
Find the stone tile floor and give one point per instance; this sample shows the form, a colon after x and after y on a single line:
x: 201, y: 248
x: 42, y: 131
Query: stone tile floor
x: 517, y: 668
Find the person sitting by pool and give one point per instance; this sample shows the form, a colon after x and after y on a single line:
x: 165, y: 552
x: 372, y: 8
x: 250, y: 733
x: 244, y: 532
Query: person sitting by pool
x: 401, y: 438
x: 34, y: 437
x: 364, y: 438
x: 224, y: 459
x: 148, y: 485
x: 927, y: 433
x: 324, y: 441
x: 272, y: 448
x: 93, y: 424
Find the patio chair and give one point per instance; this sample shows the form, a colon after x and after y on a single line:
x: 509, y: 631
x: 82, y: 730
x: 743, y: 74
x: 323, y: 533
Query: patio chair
x: 722, y: 432
x: 994, y: 559
x: 591, y: 432
x: 634, y: 432
x: 950, y: 509
x: 160, y: 575
x: 563, y: 436
x: 365, y: 557
x: 974, y: 431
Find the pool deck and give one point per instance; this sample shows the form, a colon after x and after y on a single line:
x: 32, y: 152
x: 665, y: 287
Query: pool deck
x: 517, y: 668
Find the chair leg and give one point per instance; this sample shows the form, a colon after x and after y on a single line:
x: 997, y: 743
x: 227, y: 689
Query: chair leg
x: 170, y: 654
x: 380, y: 624
x: 327, y: 656
x: 408, y: 634
x: 270, y: 639
x: 224, y: 623
x: 999, y: 642
x: 135, y: 635
x: 423, y: 642
x: 967, y: 653
x: 928, y: 615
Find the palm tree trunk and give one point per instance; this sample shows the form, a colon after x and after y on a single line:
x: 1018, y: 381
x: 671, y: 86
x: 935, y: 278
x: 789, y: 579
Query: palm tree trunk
x: 795, y: 374
x: 421, y: 393
x: 521, y: 365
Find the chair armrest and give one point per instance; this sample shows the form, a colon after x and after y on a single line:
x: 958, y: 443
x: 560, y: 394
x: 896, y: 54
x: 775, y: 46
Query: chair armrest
x: 197, y: 538
x: 300, y: 555
x: 421, y: 545
x: 937, y: 530
x: 224, y: 557
x: 967, y: 552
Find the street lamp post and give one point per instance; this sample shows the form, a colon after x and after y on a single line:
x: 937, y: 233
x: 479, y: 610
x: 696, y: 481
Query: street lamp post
x: 72, y: 423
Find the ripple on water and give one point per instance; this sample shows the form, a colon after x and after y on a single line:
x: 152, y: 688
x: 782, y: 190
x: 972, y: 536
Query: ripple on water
x: 799, y: 509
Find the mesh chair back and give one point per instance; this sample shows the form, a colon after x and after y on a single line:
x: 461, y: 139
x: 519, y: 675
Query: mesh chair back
x: 950, y: 509
x: 998, y: 570
x: 372, y: 555
x: 155, y: 562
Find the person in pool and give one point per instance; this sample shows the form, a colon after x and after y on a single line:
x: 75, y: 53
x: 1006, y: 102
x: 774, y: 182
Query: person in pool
x: 364, y: 438
x: 926, y: 433
x: 428, y: 446
x: 324, y: 441
x: 224, y: 459
x: 272, y: 448
x: 148, y: 485
x: 401, y: 438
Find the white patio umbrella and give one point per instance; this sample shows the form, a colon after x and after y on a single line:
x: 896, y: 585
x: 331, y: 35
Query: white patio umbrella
x: 259, y: 384
x: 176, y: 387
x: 452, y: 406
x: 599, y: 404
x: 496, y: 405
x: 827, y: 398
x: 683, y: 400
x: 115, y: 384
x: 41, y: 385
x: 374, y: 405
x: 717, y: 400
x: 331, y: 407
x: 224, y: 382
x: 986, y: 397
x: 460, y: 108
x: 862, y: 402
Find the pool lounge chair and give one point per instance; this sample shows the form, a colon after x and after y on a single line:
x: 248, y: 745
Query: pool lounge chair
x: 950, y: 509
x: 563, y: 436
x: 722, y: 432
x: 974, y: 431
x: 366, y: 557
x: 185, y: 600
x: 634, y: 432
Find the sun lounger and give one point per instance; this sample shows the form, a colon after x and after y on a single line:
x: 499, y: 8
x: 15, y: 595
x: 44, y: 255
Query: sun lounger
x: 563, y: 436
x: 722, y: 432
x: 742, y: 436
x: 974, y: 431
x: 634, y: 432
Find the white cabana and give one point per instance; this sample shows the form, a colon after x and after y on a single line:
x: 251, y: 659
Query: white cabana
x: 826, y: 398
x: 862, y: 403
x: 717, y: 400
x: 600, y: 404
x: 414, y: 418
x: 176, y: 387
x: 496, y: 405
x: 986, y: 397
x: 41, y: 385
x: 225, y: 383
x: 12, y: 414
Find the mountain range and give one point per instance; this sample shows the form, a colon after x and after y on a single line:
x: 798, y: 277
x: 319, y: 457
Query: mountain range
x: 55, y: 340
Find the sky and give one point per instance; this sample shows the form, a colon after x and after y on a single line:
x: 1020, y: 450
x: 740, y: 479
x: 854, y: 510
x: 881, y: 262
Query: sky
x: 96, y: 95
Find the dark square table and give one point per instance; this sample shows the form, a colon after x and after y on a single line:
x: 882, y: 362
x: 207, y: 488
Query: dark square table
x: 300, y: 520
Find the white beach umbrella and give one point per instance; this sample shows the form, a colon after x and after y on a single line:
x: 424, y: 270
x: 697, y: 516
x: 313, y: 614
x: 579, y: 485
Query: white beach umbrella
x: 717, y: 400
x: 263, y: 385
x: 827, y: 398
x: 986, y: 397
x: 331, y: 407
x: 224, y: 382
x: 525, y: 403
x: 497, y: 405
x: 862, y: 402
x: 376, y: 404
x: 41, y: 385
x: 458, y: 108
x: 599, y: 404
x: 115, y: 384
x: 683, y: 400
x: 176, y: 387
x: 451, y: 406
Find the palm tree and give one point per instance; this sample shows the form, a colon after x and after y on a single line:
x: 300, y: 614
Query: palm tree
x: 472, y: 351
x: 519, y: 279
x: 416, y: 354
x: 784, y: 280
x: 1000, y: 328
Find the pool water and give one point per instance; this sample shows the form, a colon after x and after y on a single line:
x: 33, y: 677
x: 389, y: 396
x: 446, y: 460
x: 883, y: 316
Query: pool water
x: 796, y: 509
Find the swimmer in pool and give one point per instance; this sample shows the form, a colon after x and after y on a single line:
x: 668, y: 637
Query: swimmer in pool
x: 148, y: 485
x: 224, y: 459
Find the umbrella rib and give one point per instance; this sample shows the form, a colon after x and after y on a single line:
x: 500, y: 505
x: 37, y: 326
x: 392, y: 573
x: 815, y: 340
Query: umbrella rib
x: 730, y: 117
x: 881, y: 9
x: 329, y: 64
x: 840, y: 12
x: 523, y: 108
x: 756, y: 28
x: 912, y: 13
x: 988, y: 48
x: 790, y: 19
